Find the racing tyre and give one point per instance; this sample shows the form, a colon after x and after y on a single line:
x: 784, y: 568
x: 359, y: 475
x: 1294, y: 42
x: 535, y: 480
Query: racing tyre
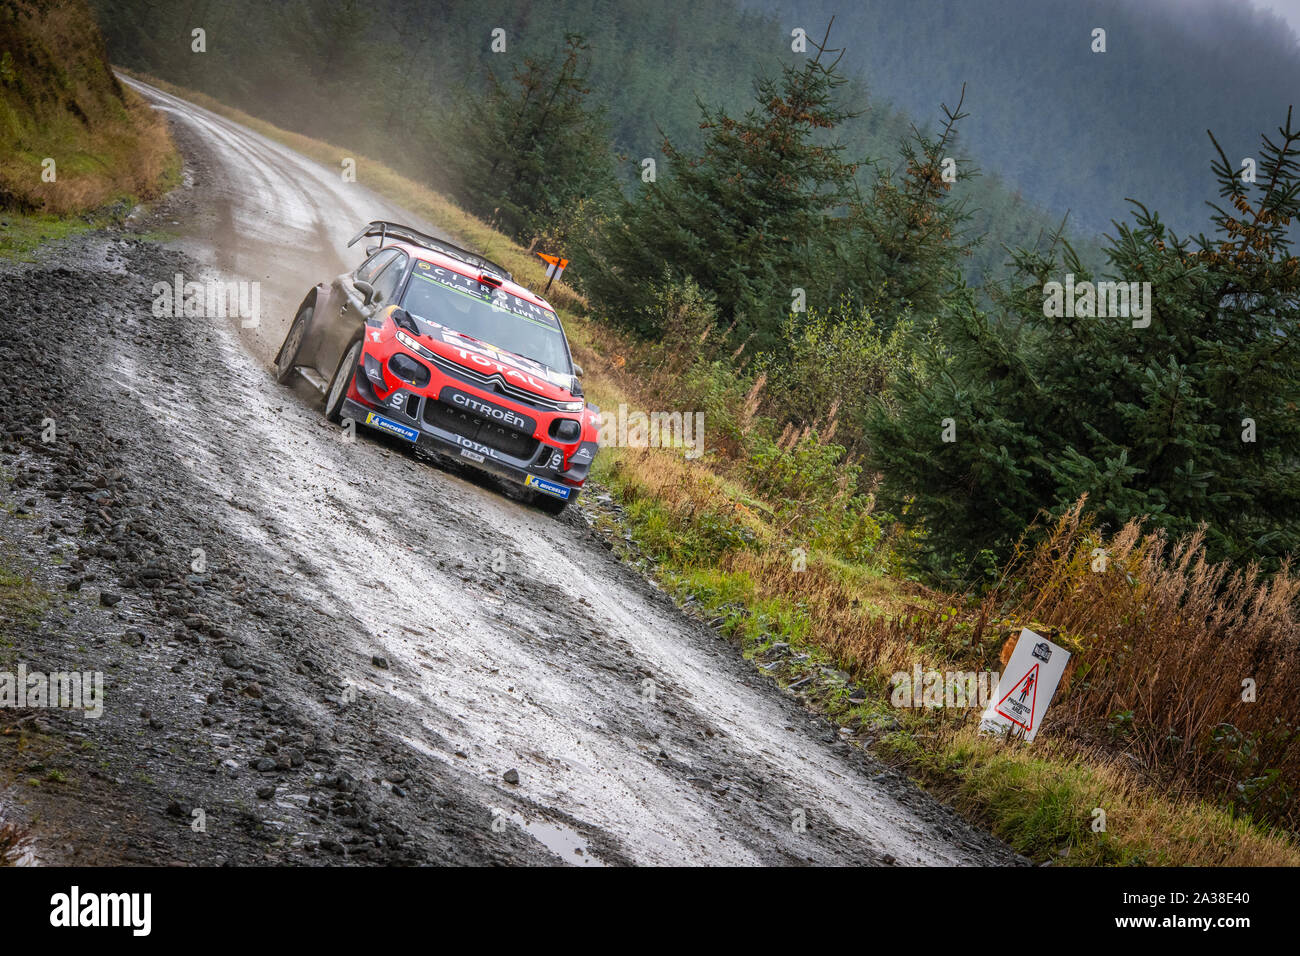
x: 550, y: 504
x: 287, y: 361
x: 341, y: 383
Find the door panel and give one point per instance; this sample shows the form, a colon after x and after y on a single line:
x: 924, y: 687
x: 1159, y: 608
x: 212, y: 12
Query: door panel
x: 340, y: 324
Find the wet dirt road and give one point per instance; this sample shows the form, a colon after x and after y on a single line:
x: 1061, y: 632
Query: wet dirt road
x: 435, y: 632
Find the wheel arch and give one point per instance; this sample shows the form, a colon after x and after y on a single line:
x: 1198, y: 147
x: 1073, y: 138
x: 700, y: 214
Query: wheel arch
x: 318, y: 297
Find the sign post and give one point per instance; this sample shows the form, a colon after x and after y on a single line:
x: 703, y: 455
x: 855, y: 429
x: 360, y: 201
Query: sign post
x: 554, y: 269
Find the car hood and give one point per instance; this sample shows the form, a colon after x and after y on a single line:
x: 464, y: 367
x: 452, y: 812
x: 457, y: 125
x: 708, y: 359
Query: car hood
x: 487, y: 359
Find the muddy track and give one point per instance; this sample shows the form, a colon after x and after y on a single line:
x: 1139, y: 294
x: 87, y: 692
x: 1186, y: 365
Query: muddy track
x: 373, y: 641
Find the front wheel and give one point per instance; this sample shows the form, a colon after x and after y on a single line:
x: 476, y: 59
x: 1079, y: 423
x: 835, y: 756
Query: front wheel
x: 287, y: 361
x: 341, y: 383
x: 551, y: 504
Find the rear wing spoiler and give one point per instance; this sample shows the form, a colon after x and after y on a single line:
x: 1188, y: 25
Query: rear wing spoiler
x: 394, y: 230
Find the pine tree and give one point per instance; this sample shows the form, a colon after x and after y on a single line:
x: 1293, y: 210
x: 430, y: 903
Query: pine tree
x: 535, y: 149
x: 1189, y: 420
x: 746, y: 217
x: 906, y: 239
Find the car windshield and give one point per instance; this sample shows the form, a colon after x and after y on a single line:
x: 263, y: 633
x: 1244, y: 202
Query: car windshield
x: 490, y: 315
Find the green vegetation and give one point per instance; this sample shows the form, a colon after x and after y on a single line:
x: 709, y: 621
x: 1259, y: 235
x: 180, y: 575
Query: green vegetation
x: 745, y: 219
x: 72, y: 139
x: 535, y: 154
x: 21, y: 235
x: 1043, y: 802
x: 1183, y: 415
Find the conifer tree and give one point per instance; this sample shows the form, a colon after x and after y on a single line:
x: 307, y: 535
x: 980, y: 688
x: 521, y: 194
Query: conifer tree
x: 535, y: 148
x: 746, y: 217
x: 1189, y: 419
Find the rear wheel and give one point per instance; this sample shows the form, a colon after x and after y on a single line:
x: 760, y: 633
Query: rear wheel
x: 341, y: 383
x: 287, y: 361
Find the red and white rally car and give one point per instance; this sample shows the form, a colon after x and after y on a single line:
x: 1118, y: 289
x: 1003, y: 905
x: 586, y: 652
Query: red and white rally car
x: 438, y: 346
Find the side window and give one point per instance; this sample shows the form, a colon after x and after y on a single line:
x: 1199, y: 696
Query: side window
x: 370, y: 268
x: 386, y: 284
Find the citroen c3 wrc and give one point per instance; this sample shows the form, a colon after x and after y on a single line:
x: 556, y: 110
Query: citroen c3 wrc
x: 441, y: 348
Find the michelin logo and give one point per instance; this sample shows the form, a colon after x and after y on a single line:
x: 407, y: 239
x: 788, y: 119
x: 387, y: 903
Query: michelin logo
x: 548, y: 487
x: 387, y: 425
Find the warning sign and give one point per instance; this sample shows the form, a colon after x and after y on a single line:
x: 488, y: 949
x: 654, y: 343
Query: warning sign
x: 1026, y: 687
x: 555, y: 266
x: 1020, y: 709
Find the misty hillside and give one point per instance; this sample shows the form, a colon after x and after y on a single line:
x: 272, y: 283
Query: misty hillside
x: 389, y: 78
x: 1069, y: 128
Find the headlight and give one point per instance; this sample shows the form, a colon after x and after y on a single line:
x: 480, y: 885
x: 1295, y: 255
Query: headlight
x: 408, y: 369
x: 413, y: 345
x: 566, y: 429
x: 572, y: 406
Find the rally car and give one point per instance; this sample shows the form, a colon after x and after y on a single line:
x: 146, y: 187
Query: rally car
x: 441, y: 348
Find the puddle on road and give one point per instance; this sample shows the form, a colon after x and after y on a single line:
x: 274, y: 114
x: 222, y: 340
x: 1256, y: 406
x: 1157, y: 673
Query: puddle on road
x: 564, y: 842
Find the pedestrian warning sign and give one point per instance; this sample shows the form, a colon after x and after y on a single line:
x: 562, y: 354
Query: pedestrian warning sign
x: 1017, y: 705
x: 1026, y: 687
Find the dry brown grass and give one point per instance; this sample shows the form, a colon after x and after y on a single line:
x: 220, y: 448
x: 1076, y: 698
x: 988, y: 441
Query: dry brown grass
x: 863, y: 623
x: 133, y: 160
x: 1162, y: 642
x: 1169, y: 638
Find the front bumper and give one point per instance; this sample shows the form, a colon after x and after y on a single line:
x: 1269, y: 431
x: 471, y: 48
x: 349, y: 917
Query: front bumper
x: 533, y: 464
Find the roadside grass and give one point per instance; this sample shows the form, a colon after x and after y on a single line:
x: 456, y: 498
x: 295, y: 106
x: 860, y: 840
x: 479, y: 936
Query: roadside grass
x: 130, y: 157
x: 837, y: 629
x: 60, y: 105
x: 21, y: 235
x: 1044, y: 803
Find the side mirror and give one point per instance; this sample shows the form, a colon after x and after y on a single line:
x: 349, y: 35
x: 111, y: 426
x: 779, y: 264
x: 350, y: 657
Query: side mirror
x: 577, y: 370
x: 366, y: 290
